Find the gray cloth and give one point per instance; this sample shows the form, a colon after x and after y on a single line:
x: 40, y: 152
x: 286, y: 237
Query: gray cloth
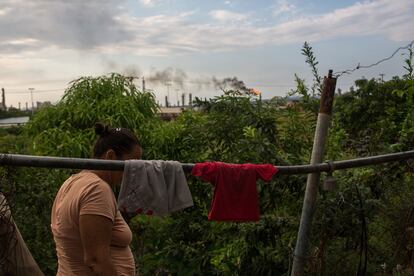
x: 153, y: 187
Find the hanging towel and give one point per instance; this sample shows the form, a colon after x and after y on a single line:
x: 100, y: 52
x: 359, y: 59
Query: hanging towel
x: 153, y: 188
x: 235, y: 193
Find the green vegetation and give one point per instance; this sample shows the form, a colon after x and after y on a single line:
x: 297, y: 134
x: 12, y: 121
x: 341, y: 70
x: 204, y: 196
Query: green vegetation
x: 14, y: 112
x: 366, y: 224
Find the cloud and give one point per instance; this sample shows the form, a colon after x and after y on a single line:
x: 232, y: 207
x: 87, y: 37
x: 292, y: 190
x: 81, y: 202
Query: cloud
x: 74, y: 25
x: 225, y: 16
x: 102, y: 26
x: 164, y: 35
x: 18, y: 45
x: 283, y: 7
x: 149, y: 3
x: 387, y: 18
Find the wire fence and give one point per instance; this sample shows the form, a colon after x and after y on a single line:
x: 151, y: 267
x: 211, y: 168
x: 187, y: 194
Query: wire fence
x: 359, y: 66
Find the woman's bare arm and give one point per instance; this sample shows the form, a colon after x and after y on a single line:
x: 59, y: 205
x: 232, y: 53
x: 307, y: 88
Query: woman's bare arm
x: 96, y: 233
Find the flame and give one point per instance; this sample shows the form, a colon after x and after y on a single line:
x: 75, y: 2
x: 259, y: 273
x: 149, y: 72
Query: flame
x: 255, y: 91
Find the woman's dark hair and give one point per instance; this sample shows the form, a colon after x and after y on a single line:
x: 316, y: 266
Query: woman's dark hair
x: 120, y: 140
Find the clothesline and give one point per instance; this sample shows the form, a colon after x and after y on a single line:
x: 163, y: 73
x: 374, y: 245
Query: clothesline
x: 20, y: 160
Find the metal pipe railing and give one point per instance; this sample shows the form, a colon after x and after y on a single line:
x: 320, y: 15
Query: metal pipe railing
x: 118, y: 165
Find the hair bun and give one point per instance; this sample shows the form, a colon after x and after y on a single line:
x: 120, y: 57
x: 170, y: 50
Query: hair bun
x: 101, y: 129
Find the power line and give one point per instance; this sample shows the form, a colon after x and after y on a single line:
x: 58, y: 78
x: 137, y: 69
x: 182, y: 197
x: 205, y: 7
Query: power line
x: 359, y: 66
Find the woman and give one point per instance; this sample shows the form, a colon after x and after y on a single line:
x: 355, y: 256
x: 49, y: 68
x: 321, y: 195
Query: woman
x: 90, y: 234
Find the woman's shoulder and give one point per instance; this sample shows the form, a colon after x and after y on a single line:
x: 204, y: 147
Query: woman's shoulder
x: 86, y: 182
x: 90, y: 179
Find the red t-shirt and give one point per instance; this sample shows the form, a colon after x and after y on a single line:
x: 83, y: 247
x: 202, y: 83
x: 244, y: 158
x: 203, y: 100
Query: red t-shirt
x: 235, y: 195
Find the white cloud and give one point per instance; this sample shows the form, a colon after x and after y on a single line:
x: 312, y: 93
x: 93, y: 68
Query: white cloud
x: 225, y: 16
x: 104, y: 28
x: 23, y: 41
x: 149, y: 3
x: 283, y: 7
x: 384, y: 17
x: 4, y: 11
x: 163, y: 35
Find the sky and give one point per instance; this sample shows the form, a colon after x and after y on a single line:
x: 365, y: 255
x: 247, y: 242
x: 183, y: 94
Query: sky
x: 178, y: 46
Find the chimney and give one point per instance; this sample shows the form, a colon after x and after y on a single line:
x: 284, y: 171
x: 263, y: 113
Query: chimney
x: 166, y: 101
x: 27, y: 107
x: 19, y: 106
x: 3, y: 99
x: 183, y: 99
x: 190, y: 99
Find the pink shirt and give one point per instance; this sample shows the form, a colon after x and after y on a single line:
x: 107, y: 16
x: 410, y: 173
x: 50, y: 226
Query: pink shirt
x: 86, y: 193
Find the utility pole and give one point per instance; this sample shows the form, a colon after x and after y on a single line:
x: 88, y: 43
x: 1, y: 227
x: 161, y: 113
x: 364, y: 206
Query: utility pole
x: 382, y: 77
x: 143, y: 84
x: 31, y: 98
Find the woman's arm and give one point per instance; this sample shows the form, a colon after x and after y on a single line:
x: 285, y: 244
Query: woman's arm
x: 96, y: 233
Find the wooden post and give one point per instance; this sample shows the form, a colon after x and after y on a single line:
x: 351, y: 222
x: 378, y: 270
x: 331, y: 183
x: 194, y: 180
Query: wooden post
x: 309, y: 202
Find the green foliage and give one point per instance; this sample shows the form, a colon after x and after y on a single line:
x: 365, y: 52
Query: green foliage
x: 309, y: 99
x: 363, y: 224
x: 313, y: 63
x: 31, y: 194
x: 409, y: 64
x: 233, y: 129
x: 14, y: 112
x: 66, y: 129
x: 371, y: 115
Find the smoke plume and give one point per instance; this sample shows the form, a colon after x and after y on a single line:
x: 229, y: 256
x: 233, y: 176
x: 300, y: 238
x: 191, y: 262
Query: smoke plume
x: 168, y: 75
x: 230, y: 84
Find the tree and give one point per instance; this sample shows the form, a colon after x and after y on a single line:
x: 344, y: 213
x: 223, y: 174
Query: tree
x: 66, y: 129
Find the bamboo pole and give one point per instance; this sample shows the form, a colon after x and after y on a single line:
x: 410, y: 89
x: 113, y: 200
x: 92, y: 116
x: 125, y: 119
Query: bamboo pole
x: 309, y: 202
x: 19, y: 160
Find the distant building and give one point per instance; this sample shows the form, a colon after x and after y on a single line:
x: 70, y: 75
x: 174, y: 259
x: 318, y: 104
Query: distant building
x: 43, y: 104
x: 169, y: 113
x: 286, y: 101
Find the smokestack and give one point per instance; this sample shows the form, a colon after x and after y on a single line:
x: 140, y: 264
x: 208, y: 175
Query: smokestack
x: 166, y: 101
x: 27, y: 107
x: 3, y: 99
x: 19, y: 106
x: 183, y: 99
x: 190, y: 99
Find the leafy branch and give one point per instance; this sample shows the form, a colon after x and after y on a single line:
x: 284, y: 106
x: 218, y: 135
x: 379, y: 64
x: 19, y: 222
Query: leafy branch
x: 409, y: 65
x: 312, y: 62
